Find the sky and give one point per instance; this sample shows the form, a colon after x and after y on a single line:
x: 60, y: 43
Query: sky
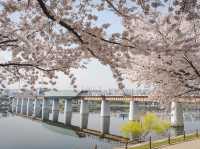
x: 96, y: 76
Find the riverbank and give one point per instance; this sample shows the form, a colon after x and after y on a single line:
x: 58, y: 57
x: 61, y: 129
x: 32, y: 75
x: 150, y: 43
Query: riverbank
x: 167, y: 142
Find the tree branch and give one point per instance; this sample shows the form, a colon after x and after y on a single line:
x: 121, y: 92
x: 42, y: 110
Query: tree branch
x: 72, y: 30
x: 192, y: 65
x: 29, y: 65
x: 8, y: 41
x: 109, y: 41
x: 61, y: 22
x: 115, y: 9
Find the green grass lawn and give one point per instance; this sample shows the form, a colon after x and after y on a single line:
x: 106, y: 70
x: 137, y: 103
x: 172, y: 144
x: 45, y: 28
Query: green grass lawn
x: 165, y: 142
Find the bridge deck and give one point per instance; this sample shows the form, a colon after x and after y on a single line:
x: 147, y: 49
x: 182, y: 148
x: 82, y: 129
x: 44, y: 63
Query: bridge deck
x: 186, y: 99
x: 189, y: 99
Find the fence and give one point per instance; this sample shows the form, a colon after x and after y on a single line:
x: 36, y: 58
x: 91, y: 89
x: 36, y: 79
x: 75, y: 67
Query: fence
x: 152, y: 144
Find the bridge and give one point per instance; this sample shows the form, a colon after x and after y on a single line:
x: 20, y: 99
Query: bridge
x: 33, y: 106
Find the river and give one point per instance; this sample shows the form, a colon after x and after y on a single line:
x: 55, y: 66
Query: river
x: 21, y: 133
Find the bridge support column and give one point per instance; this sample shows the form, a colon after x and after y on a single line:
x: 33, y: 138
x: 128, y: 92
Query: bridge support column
x: 68, y: 112
x: 45, y: 110
x: 13, y: 105
x: 29, y: 107
x: 36, y: 108
x: 18, y: 106
x: 133, y: 111
x: 84, y: 113
x: 105, y: 116
x: 176, y: 114
x: 24, y: 107
x: 55, y: 110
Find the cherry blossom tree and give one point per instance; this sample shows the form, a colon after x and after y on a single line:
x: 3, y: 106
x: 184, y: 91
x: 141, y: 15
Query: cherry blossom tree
x: 52, y: 35
x: 159, y: 42
x: 172, y: 52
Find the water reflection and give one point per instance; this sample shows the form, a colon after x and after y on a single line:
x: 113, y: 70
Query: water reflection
x: 59, y: 130
x: 21, y: 133
x: 4, y: 114
x: 175, y: 131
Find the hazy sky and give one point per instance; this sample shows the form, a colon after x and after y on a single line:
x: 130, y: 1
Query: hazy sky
x: 96, y: 76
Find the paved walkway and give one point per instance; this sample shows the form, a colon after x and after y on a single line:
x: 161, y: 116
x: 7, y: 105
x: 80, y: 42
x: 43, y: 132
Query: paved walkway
x: 186, y: 145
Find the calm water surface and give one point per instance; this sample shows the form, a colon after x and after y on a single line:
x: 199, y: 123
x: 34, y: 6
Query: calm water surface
x: 21, y: 133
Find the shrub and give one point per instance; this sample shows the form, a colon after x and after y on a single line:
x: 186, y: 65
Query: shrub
x: 150, y: 122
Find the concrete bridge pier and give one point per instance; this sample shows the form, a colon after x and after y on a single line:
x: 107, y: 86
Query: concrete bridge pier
x: 18, y: 106
x: 45, y: 110
x: 55, y: 110
x: 176, y: 114
x: 36, y: 108
x: 10, y: 104
x: 13, y: 105
x: 84, y: 114
x: 133, y: 111
x: 24, y: 107
x: 29, y: 107
x: 105, y: 116
x: 68, y: 112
